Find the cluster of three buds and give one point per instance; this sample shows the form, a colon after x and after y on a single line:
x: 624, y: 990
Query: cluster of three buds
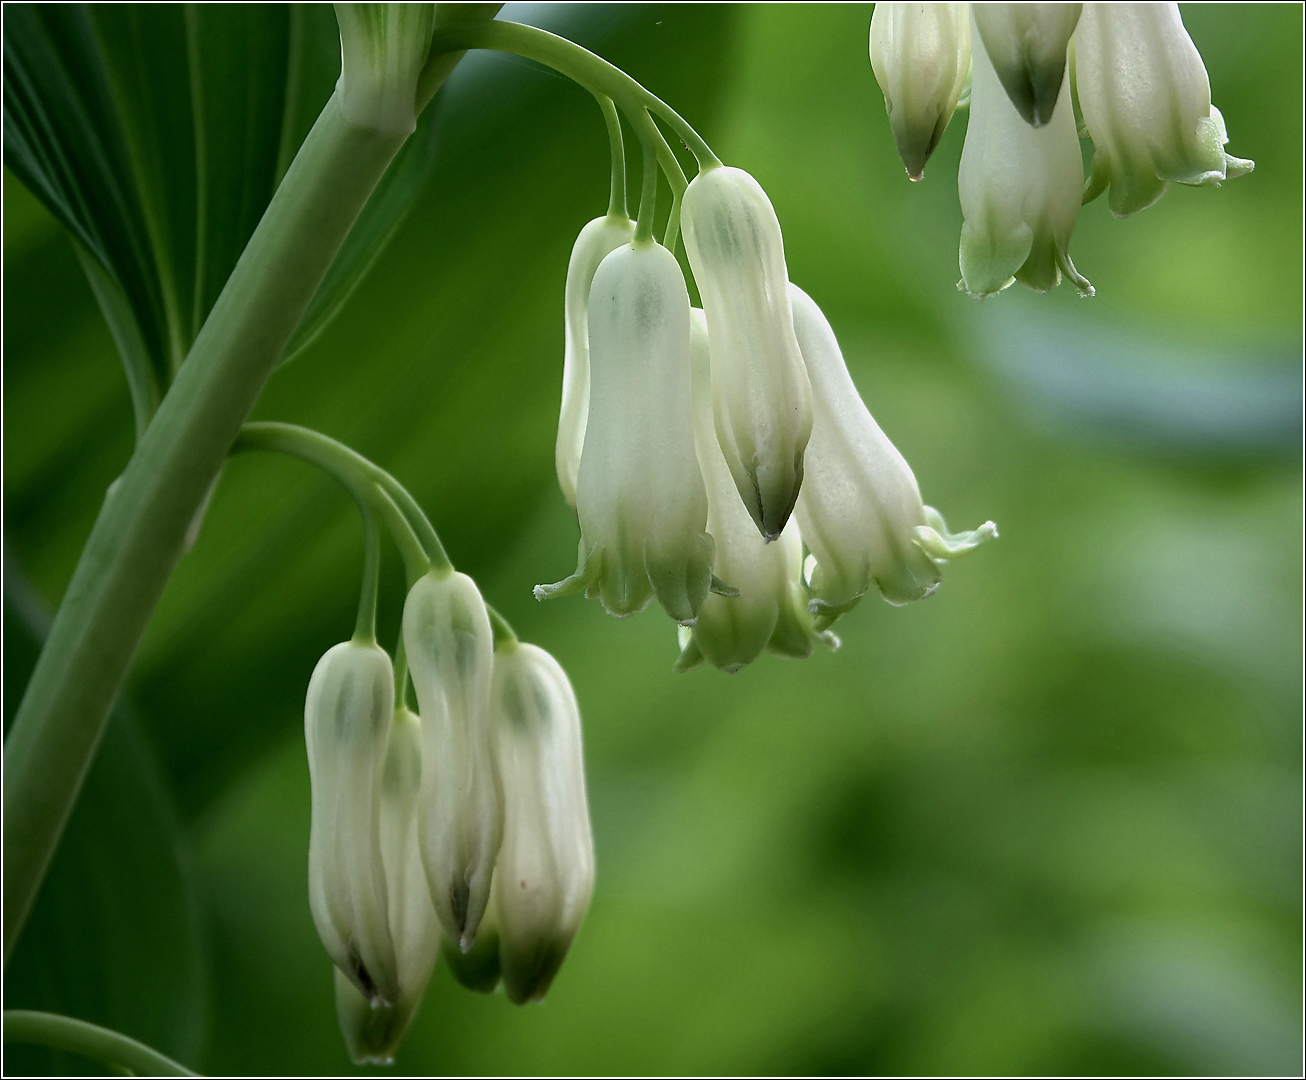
x: 694, y: 444
x: 414, y: 816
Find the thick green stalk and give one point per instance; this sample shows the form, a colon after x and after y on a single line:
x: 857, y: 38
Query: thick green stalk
x: 91, y: 1041
x: 138, y: 535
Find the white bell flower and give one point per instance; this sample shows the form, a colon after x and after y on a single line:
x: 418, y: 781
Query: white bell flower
x: 860, y: 509
x: 1027, y: 44
x: 373, y: 1032
x: 347, y: 718
x: 920, y: 54
x: 639, y: 493
x: 600, y: 237
x: 1146, y: 102
x: 763, y: 404
x: 450, y: 650
x: 1020, y: 189
x: 769, y: 609
x: 545, y: 873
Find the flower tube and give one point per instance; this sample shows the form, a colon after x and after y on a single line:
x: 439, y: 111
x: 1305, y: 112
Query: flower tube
x: 920, y: 54
x: 763, y: 404
x: 373, y: 1032
x: 769, y: 609
x: 347, y: 718
x: 1020, y: 190
x: 1147, y: 105
x: 599, y: 238
x: 639, y: 493
x: 546, y: 868
x: 1027, y: 44
x: 449, y: 644
x: 860, y: 510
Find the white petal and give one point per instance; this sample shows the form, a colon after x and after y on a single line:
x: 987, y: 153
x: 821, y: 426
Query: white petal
x: 762, y: 400
x: 920, y: 54
x: 1020, y: 190
x: 1147, y: 104
x: 546, y: 868
x: 733, y: 630
x: 1027, y: 44
x: 859, y: 502
x: 347, y: 718
x: 600, y: 237
x: 450, y: 650
x: 640, y: 495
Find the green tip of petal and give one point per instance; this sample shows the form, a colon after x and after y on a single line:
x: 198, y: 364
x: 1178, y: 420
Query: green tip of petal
x: 722, y: 589
x: 941, y: 545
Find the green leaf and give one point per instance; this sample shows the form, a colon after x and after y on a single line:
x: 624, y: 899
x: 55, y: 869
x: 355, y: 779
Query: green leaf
x: 156, y: 134
x: 116, y: 936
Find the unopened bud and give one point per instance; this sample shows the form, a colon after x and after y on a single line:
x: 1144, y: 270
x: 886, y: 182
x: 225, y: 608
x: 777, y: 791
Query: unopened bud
x: 546, y: 867
x: 596, y: 241
x: 762, y: 400
x: 449, y: 644
x: 1027, y: 44
x: 920, y: 54
x: 347, y: 719
x: 372, y: 1032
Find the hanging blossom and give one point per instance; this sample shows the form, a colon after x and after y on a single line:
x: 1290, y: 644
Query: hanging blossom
x: 1130, y: 70
x: 727, y: 465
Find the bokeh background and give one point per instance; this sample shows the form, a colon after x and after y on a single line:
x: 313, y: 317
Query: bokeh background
x: 1047, y: 822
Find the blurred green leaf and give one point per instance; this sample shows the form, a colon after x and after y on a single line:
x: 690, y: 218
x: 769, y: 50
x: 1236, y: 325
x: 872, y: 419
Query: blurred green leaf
x: 156, y: 134
x: 116, y: 936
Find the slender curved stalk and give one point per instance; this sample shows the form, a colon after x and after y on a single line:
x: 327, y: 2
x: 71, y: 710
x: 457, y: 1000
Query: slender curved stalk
x: 577, y: 63
x: 617, y: 197
x: 89, y: 1040
x: 365, y: 624
x: 648, y: 197
x: 370, y: 485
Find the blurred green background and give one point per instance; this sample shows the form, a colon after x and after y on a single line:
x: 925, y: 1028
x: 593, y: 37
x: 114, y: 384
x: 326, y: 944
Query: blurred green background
x: 1047, y: 822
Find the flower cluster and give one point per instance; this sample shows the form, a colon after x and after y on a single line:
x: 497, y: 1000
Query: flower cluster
x: 705, y: 449
x: 466, y: 820
x: 1043, y: 76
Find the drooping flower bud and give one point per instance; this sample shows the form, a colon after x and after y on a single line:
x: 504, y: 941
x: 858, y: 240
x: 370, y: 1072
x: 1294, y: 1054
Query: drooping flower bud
x: 450, y: 651
x: 599, y: 238
x: 770, y: 608
x: 1147, y: 105
x: 546, y: 867
x: 1027, y: 44
x: 373, y: 1032
x: 639, y: 494
x: 383, y: 48
x: 478, y: 968
x: 763, y: 404
x: 860, y: 510
x: 920, y: 54
x: 1020, y: 190
x: 347, y: 718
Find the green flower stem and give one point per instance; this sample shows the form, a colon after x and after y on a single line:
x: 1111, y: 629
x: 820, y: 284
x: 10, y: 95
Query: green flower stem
x: 91, y: 1041
x: 578, y: 64
x: 138, y: 536
x: 648, y: 197
x: 504, y: 635
x: 365, y: 625
x: 370, y: 485
x: 617, y: 198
